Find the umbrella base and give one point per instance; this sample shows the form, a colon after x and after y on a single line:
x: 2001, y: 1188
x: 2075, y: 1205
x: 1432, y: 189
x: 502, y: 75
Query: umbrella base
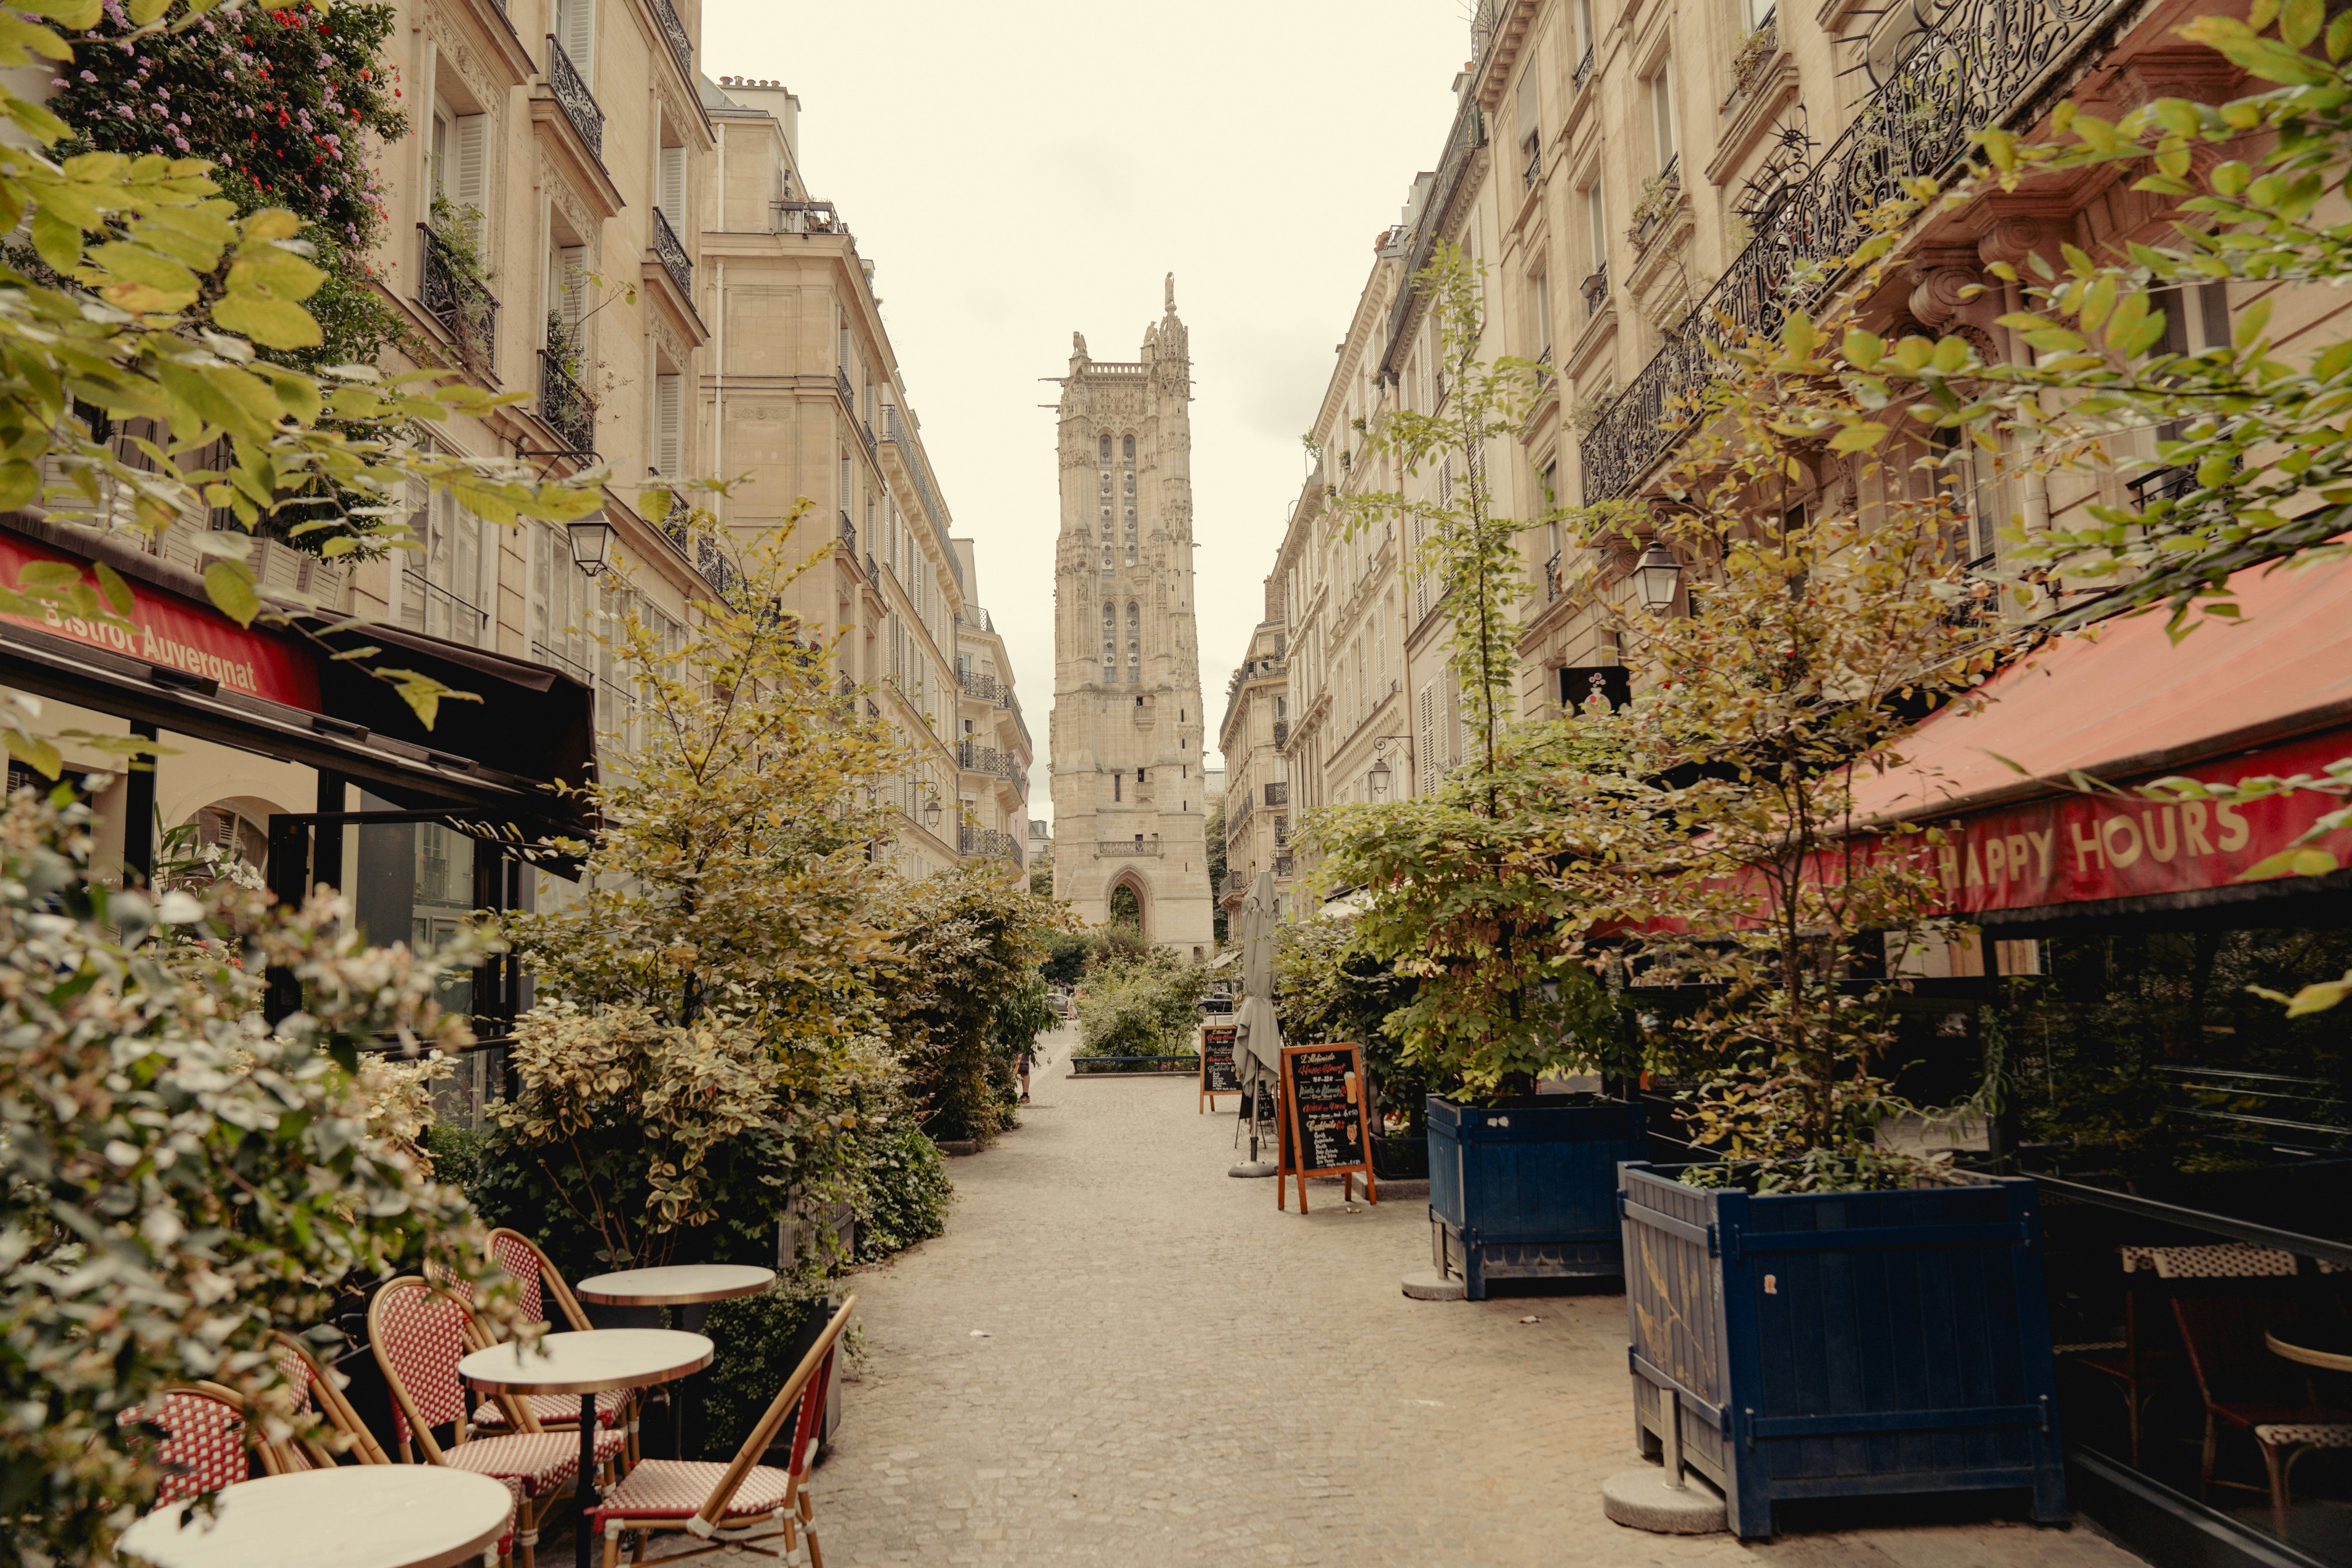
x: 1252, y: 1168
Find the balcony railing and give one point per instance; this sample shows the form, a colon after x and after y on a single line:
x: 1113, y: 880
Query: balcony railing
x: 849, y: 538
x: 1659, y: 200
x: 990, y: 842
x: 456, y: 298
x: 1553, y: 584
x: 681, y: 46
x: 1596, y: 290
x: 1584, y: 68
x: 973, y: 616
x: 987, y: 689
x: 1284, y: 865
x: 1468, y: 136
x: 895, y: 430
x: 674, y: 259
x: 571, y: 89
x: 974, y: 758
x: 566, y: 409
x: 1116, y: 849
x: 807, y: 218
x: 1278, y: 794
x: 1977, y: 67
x: 1533, y: 171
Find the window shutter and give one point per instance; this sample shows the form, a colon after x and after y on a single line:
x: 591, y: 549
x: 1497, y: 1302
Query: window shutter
x: 1428, y: 754
x: 672, y: 188
x: 669, y: 423
x: 577, y: 20
x: 575, y: 284
x: 468, y: 179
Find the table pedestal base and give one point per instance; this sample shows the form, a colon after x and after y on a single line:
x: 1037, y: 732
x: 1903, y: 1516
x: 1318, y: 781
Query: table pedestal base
x: 585, y: 1488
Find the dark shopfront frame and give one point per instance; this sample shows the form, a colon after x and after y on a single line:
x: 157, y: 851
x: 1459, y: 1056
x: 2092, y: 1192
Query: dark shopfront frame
x: 493, y: 770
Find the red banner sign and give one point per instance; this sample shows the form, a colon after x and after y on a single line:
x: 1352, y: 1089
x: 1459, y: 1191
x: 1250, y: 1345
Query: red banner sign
x: 166, y: 628
x: 2080, y: 848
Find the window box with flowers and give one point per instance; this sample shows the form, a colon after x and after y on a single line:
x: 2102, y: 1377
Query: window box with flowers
x: 1660, y: 193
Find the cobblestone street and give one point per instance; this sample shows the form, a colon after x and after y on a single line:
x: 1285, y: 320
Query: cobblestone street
x: 1117, y: 1354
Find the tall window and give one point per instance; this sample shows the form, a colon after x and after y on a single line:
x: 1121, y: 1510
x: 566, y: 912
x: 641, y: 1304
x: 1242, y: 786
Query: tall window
x: 669, y: 424
x: 1596, y: 228
x: 1103, y: 489
x: 1110, y: 642
x: 671, y: 193
x: 1584, y: 34
x: 1540, y: 291
x: 1134, y: 643
x: 1127, y: 446
x: 461, y: 162
x: 1662, y: 114
x: 575, y: 29
x: 441, y: 591
x: 1530, y: 129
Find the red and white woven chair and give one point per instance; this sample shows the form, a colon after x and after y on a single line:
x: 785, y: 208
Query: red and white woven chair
x: 420, y: 1332
x: 201, y: 1448
x: 742, y: 1503
x: 538, y: 1281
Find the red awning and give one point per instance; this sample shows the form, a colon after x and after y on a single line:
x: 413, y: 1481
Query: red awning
x: 2121, y: 703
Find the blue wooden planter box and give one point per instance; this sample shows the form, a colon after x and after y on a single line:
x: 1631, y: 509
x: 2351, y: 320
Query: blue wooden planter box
x: 1527, y: 1191
x: 1843, y: 1345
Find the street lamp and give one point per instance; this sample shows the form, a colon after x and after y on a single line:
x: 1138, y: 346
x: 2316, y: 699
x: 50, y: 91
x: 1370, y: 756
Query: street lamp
x: 931, y: 814
x: 1381, y: 771
x: 591, y: 544
x: 1657, y: 575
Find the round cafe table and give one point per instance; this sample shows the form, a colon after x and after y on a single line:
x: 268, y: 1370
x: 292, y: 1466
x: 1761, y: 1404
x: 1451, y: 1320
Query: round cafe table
x: 2327, y: 1346
x: 687, y: 1288
x: 356, y: 1516
x: 587, y: 1365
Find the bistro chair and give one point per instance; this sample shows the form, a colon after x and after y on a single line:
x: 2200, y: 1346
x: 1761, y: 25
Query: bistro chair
x: 539, y: 1280
x: 733, y: 1504
x: 419, y: 1333
x: 2248, y: 1389
x: 2146, y: 1361
x: 202, y: 1447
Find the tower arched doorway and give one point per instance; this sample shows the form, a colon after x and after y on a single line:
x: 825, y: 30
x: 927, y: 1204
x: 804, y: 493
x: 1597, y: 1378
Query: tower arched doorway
x: 1131, y: 904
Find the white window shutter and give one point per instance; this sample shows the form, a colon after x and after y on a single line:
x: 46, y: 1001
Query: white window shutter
x: 577, y: 20
x: 1428, y: 756
x: 469, y: 177
x: 575, y: 284
x: 669, y: 423
x: 672, y: 188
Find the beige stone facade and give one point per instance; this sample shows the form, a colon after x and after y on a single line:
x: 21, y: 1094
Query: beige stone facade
x: 1625, y: 174
x: 803, y: 401
x: 1127, y: 738
x: 1257, y: 795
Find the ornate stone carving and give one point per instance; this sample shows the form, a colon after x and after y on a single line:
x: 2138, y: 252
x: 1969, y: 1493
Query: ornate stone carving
x: 1938, y: 299
x: 567, y: 201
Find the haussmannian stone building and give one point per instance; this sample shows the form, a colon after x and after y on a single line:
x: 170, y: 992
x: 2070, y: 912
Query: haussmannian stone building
x: 1126, y: 742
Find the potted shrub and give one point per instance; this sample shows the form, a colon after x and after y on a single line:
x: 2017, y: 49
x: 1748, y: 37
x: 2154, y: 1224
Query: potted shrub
x: 1476, y: 882
x: 1815, y: 1312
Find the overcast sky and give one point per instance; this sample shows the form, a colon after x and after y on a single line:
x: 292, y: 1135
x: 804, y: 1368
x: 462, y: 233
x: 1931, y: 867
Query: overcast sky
x: 1015, y: 173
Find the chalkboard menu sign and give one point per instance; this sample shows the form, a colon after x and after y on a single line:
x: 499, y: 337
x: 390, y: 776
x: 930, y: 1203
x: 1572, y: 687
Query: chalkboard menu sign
x: 1217, y: 1075
x: 1325, y: 1126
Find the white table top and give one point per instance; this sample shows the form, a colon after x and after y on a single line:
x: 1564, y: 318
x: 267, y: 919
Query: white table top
x: 680, y: 1285
x: 356, y: 1516
x: 589, y: 1362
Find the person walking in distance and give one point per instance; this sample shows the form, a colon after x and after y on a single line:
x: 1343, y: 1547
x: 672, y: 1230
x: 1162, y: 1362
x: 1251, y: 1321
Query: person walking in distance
x: 1023, y: 1071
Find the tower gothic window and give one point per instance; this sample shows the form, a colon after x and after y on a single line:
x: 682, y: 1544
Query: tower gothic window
x: 1110, y: 641
x: 1102, y: 460
x: 1127, y: 446
x: 1134, y: 643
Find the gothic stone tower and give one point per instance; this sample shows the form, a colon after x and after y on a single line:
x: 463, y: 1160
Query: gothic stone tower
x: 1127, y: 733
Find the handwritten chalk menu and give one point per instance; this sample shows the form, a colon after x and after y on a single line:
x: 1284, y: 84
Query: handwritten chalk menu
x: 1217, y: 1074
x: 1325, y: 1127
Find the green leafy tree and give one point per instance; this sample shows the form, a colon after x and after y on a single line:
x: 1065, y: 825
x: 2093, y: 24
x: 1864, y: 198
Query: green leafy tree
x: 182, y: 1181
x: 1141, y: 1004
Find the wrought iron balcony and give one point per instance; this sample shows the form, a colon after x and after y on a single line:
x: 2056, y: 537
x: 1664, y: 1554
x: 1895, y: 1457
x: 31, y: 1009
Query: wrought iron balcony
x: 1553, y: 585
x: 1284, y: 865
x: 1534, y: 169
x: 681, y: 46
x: 1584, y: 66
x: 848, y: 395
x: 1117, y: 849
x: 1595, y: 288
x: 987, y: 689
x: 989, y: 842
x: 571, y: 89
x: 674, y: 259
x: 807, y: 218
x: 566, y: 409
x: 1278, y: 794
x: 1977, y: 66
x: 849, y: 538
x: 973, y: 616
x: 454, y: 296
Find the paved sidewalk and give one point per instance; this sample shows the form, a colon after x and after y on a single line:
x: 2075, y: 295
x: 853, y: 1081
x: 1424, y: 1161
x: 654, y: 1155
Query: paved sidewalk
x: 1117, y: 1354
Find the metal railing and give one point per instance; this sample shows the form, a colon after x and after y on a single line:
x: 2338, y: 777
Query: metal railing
x: 1977, y: 66
x: 1135, y: 848
x: 1553, y: 586
x: 973, y: 616
x: 454, y: 296
x: 680, y: 45
x: 849, y: 538
x: 990, y: 842
x: 571, y: 89
x: 895, y: 430
x: 674, y: 259
x: 1595, y: 288
x: 1584, y: 68
x: 807, y: 218
x: 974, y: 758
x: 1285, y: 865
x: 1543, y: 367
x: 987, y: 689
x: 1669, y: 184
x: 1534, y: 170
x: 1278, y: 794
x: 1468, y: 136
x: 847, y: 393
x: 566, y: 408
